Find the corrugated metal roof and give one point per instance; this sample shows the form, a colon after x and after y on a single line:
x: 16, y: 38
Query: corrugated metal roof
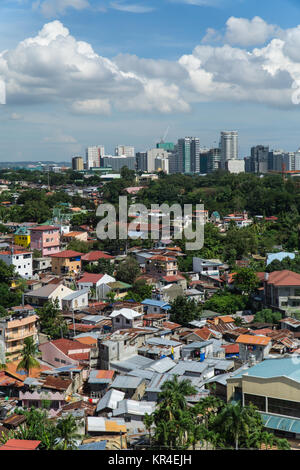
x: 163, y: 365
x: 134, y: 407
x: 110, y: 400
x: 126, y: 382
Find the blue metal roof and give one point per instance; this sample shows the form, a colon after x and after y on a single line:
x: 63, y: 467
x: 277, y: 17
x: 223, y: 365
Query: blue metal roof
x: 282, y: 423
x: 283, y: 367
x: 155, y: 303
x: 93, y: 446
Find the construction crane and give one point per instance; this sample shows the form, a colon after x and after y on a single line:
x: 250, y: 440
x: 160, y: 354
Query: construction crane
x: 162, y: 140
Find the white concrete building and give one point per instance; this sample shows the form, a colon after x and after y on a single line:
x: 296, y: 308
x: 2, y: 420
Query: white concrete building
x: 21, y: 260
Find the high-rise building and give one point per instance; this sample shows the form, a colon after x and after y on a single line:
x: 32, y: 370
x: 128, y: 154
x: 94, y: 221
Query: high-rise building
x: 165, y: 145
x: 162, y: 164
x: 213, y: 160
x: 189, y: 155
x: 259, y: 160
x: 228, y: 147
x: 93, y: 156
x: 77, y: 163
x: 116, y: 163
x: 141, y: 161
x: 152, y: 154
x: 126, y: 150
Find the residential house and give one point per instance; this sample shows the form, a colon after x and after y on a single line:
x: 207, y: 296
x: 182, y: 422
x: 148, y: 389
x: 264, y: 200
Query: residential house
x: 155, y: 306
x: 92, y: 258
x: 49, y: 292
x: 66, y: 262
x: 207, y: 267
x: 253, y: 346
x: 76, y: 300
x: 22, y: 237
x: 20, y: 259
x: 133, y: 387
x: 126, y: 318
x: 282, y: 290
x: 45, y: 238
x: 97, y: 282
x: 64, y: 351
x: 99, y: 381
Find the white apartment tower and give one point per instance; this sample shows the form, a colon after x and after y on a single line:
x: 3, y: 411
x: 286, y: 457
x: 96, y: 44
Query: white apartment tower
x: 228, y: 147
x: 93, y: 156
x: 126, y: 150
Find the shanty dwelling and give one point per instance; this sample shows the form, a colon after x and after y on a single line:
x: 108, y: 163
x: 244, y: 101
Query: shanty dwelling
x: 133, y: 387
x: 97, y: 426
x: 133, y: 411
x: 52, y: 390
x: 198, y: 350
x: 257, y: 347
x: 109, y: 402
x: 99, y: 381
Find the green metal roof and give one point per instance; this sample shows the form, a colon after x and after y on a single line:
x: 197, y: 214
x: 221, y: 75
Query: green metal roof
x: 281, y: 423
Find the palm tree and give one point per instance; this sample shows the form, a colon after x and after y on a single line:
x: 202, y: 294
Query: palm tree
x: 67, y: 428
x: 173, y: 395
x: 29, y: 353
x: 148, y: 421
x: 234, y: 421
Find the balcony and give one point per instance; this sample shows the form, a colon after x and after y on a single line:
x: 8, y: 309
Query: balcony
x: 20, y: 335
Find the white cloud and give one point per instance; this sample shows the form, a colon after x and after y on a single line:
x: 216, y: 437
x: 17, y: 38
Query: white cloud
x: 60, y: 138
x: 52, y: 8
x: 94, y: 106
x: 131, y: 7
x: 53, y: 67
x: 244, y: 32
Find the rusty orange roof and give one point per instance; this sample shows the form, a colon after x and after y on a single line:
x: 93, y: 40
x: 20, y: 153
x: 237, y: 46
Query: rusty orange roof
x: 226, y: 319
x: 248, y: 339
x: 105, y: 374
x: 11, y: 368
x: 87, y: 340
x: 113, y: 426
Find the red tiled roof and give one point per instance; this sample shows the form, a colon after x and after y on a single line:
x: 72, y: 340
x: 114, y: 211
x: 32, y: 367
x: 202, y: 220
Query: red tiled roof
x: 44, y: 227
x: 67, y: 345
x: 176, y: 277
x: 284, y: 278
x: 90, y: 277
x: 66, y: 254
x: 95, y: 256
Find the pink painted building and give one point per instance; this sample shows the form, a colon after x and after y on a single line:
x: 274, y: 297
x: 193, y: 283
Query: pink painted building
x: 46, y: 239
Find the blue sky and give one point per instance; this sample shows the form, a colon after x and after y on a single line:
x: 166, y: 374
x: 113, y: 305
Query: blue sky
x: 86, y: 72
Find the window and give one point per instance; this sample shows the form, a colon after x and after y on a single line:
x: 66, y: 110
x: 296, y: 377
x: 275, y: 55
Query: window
x: 284, y: 407
x: 256, y: 400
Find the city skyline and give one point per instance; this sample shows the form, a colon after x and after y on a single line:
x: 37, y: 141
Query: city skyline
x: 203, y: 67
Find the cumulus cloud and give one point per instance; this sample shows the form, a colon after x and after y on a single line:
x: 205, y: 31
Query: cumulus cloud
x: 55, y: 67
x: 244, y: 32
